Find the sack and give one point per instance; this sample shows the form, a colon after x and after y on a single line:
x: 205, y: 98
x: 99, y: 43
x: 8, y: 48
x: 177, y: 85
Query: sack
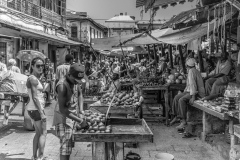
x: 132, y: 156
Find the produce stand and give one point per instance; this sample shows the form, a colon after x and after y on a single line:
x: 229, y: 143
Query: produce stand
x: 213, y: 111
x: 107, y: 146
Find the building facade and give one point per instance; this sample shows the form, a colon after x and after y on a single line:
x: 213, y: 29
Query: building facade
x: 34, y: 25
x: 83, y: 29
x: 121, y: 25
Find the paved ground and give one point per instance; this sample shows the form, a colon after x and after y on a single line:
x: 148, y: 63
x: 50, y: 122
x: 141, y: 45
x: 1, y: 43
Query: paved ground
x: 16, y: 144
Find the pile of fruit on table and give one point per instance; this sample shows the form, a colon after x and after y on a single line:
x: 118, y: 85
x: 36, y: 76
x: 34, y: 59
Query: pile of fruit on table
x: 96, y: 122
x: 125, y: 80
x: 175, y: 78
x: 156, y: 81
x: 122, y: 98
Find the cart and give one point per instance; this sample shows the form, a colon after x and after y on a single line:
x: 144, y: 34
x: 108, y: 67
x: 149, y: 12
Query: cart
x: 108, y: 146
x: 19, y: 95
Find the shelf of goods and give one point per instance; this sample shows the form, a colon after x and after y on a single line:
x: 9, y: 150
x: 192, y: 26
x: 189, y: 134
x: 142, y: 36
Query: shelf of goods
x: 109, y: 135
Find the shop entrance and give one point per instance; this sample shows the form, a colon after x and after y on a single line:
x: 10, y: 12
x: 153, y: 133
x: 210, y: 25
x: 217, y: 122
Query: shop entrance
x: 3, y: 51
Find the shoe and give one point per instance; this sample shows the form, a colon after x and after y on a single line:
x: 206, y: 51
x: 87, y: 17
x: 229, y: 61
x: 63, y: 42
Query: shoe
x: 44, y: 158
x: 182, y: 125
x: 33, y: 158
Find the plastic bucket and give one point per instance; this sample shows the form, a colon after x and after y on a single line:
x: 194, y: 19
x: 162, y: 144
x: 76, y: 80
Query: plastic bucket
x: 164, y: 156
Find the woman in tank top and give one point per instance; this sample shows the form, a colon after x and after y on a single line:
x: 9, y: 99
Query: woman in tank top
x: 35, y: 107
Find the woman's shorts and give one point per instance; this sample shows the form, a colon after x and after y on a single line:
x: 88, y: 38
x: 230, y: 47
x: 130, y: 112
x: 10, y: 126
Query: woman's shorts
x: 35, y: 115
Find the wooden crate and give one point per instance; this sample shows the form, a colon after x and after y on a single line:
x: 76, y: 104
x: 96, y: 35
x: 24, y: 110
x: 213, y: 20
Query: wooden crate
x: 152, y: 112
x: 150, y: 97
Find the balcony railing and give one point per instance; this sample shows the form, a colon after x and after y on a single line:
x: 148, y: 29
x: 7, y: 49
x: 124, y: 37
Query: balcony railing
x: 35, y: 10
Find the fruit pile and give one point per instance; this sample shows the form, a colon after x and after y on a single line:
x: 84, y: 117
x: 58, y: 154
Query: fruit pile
x: 175, y: 78
x: 157, y: 81
x: 122, y: 98
x: 96, y: 123
x: 125, y: 79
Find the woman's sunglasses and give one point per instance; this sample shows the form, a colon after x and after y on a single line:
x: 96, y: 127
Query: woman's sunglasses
x: 39, y: 66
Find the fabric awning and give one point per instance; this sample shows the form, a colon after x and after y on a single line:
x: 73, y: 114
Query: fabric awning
x: 155, y: 3
x: 127, y: 40
x: 186, y: 35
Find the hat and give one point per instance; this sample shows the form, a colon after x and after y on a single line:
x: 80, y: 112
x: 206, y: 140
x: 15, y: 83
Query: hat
x: 78, y: 72
x: 191, y: 62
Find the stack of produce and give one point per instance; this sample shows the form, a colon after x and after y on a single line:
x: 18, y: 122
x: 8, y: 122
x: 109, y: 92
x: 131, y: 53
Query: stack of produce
x: 175, y: 78
x: 156, y: 81
x: 125, y: 80
x: 123, y: 98
x: 96, y: 123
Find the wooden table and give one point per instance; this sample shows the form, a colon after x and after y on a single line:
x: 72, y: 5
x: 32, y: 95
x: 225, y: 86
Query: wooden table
x: 108, y: 146
x: 168, y: 94
x: 206, y: 126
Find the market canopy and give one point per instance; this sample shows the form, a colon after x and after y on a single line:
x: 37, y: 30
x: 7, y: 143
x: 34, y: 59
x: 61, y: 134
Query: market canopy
x: 156, y: 3
x: 126, y: 40
x: 189, y: 34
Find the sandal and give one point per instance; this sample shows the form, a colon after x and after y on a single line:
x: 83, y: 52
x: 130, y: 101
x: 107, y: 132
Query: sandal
x: 188, y: 135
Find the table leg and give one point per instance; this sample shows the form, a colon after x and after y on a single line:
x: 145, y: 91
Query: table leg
x: 166, y: 106
x: 234, y: 139
x: 206, y: 126
x: 6, y: 115
x: 119, y: 151
x: 98, y: 151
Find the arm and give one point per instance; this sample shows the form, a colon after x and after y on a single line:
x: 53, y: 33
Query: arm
x: 32, y: 83
x: 62, y: 101
x: 80, y: 99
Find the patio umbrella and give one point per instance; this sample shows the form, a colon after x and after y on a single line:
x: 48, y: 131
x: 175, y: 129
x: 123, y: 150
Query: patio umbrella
x: 28, y: 55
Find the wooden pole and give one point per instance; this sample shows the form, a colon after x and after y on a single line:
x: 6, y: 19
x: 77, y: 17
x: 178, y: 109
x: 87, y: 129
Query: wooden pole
x: 182, y: 59
x: 163, y: 50
x: 170, y: 55
x: 148, y: 51
x: 200, y: 58
x: 155, y: 57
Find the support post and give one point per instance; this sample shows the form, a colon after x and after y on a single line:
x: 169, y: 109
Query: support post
x: 155, y: 57
x: 170, y: 55
x: 182, y: 59
x: 148, y: 51
x: 163, y: 50
x: 98, y: 151
x: 200, y: 61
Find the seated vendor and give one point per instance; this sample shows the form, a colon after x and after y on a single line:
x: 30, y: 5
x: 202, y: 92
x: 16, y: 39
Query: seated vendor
x: 222, y: 69
x: 193, y: 90
x: 7, y: 83
x: 219, y: 86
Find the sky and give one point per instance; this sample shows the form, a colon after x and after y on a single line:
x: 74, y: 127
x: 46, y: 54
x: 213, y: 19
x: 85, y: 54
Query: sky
x: 101, y: 10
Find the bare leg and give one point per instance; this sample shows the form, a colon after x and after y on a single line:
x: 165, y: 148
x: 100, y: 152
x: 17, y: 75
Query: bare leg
x: 35, y: 141
x: 42, y: 139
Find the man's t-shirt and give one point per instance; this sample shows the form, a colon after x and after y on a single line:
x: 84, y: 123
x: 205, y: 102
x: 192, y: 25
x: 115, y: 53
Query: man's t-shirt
x: 62, y: 71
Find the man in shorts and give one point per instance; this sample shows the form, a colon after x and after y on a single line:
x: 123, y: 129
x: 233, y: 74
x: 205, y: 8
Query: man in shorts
x: 65, y: 113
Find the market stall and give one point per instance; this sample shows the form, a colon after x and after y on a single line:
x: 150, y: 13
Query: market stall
x: 108, y: 135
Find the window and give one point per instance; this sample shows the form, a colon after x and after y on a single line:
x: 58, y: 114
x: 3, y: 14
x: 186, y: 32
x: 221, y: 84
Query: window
x: 74, y: 32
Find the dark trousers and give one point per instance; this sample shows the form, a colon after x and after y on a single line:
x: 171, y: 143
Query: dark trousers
x: 180, y: 103
x: 208, y: 85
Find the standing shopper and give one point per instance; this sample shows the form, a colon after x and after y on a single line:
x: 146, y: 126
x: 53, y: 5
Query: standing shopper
x: 35, y: 107
x: 64, y: 113
x: 63, y: 69
x: 12, y: 66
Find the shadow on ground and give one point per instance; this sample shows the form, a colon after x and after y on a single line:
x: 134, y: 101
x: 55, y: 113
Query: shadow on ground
x: 7, y: 157
x: 17, y: 127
